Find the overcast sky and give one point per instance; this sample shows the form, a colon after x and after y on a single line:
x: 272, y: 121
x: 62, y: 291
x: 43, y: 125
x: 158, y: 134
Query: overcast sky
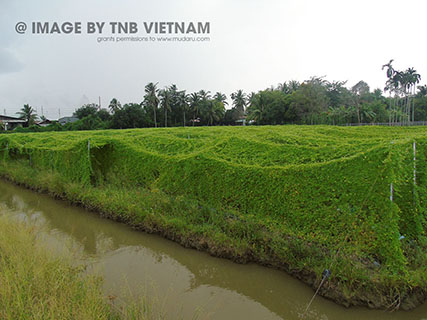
x: 254, y: 44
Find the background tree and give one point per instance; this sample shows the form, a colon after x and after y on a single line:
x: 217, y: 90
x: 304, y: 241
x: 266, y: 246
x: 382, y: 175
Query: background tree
x: 213, y: 112
x: 310, y: 101
x: 132, y: 115
x: 221, y: 98
x: 165, y: 103
x: 360, y: 91
x: 239, y: 99
x: 86, y: 110
x: 104, y: 115
x: 182, y: 102
x: 402, y: 88
x: 205, y: 98
x: 194, y: 102
x: 28, y: 114
x: 151, y: 99
x: 114, y: 105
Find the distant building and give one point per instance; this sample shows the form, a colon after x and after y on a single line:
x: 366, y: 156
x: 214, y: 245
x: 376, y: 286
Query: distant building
x: 241, y: 121
x: 65, y: 120
x: 10, y: 123
x: 44, y: 123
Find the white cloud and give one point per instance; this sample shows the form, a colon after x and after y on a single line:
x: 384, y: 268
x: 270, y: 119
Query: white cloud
x: 254, y: 44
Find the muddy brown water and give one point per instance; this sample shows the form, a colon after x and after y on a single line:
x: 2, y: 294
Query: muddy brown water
x: 177, y: 282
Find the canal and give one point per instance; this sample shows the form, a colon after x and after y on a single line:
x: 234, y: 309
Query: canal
x: 176, y: 282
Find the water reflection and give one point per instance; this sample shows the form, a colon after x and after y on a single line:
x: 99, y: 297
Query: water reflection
x: 183, y: 280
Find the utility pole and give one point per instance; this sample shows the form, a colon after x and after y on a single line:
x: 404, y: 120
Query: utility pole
x: 59, y: 112
x: 42, y: 112
x: 99, y: 105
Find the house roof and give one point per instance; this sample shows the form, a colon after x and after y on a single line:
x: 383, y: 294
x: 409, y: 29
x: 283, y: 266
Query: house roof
x: 11, y: 119
x: 46, y: 121
x: 64, y: 120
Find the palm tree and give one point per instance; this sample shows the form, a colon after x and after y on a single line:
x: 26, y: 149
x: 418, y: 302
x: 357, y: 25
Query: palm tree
x: 422, y: 91
x: 182, y: 101
x: 151, y: 99
x: 239, y: 101
x: 257, y: 107
x: 293, y: 85
x: 366, y: 113
x: 194, y: 100
x: 221, y: 98
x: 204, y: 103
x: 414, y: 79
x: 390, y: 70
x: 114, y: 105
x: 204, y: 95
x: 283, y: 87
x: 214, y: 111
x: 28, y: 114
x: 165, y: 101
x: 251, y: 99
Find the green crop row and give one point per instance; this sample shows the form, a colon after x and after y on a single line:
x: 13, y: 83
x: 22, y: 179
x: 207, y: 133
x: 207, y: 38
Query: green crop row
x: 346, y: 191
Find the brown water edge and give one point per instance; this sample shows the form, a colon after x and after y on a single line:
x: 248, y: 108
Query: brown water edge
x: 183, y: 280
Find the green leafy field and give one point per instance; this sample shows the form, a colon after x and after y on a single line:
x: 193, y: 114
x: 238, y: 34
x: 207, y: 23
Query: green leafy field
x: 301, y: 198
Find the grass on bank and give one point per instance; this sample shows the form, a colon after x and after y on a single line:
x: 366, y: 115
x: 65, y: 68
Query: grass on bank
x: 233, y: 235
x: 36, y: 285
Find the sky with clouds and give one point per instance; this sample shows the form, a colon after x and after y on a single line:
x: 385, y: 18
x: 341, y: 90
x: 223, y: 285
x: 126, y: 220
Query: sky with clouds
x: 253, y: 44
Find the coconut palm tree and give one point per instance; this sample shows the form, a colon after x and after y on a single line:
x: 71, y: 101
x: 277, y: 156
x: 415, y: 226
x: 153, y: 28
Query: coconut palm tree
x: 239, y: 101
x: 205, y: 98
x: 182, y: 100
x: 195, y: 101
x: 28, y: 114
x: 204, y: 95
x: 165, y: 102
x: 221, y: 98
x: 151, y: 99
x: 257, y: 106
x: 251, y: 98
x: 214, y: 110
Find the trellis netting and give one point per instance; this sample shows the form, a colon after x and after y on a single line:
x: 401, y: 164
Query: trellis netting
x: 362, y: 188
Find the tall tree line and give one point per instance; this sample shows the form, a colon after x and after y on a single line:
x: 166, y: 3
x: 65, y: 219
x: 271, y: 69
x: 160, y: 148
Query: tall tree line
x: 314, y: 101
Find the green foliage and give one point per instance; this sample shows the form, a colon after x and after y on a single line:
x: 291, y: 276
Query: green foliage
x: 90, y: 122
x: 86, y: 110
x: 281, y: 192
x: 271, y: 107
x: 28, y: 114
x: 130, y: 116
